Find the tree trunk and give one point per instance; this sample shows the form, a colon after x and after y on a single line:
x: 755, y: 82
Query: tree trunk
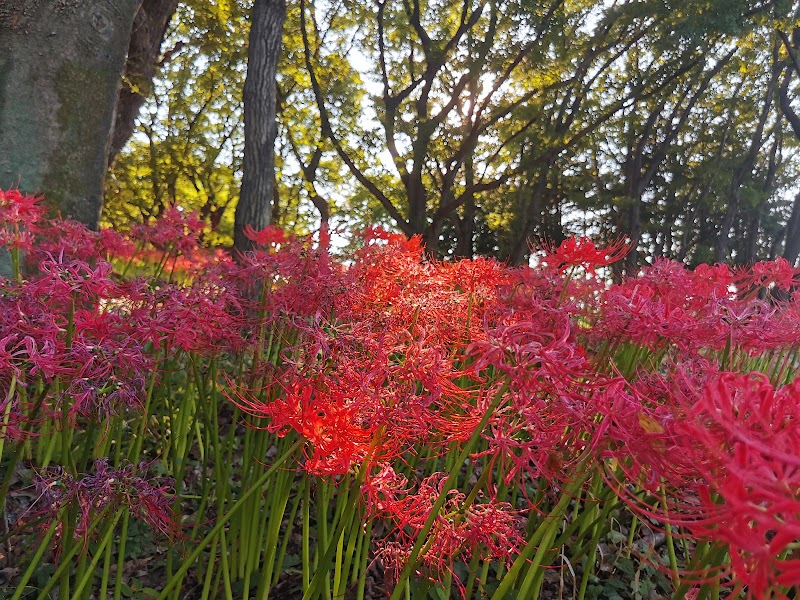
x: 147, y: 35
x: 60, y: 67
x: 260, y: 127
x: 791, y: 249
x: 528, y: 217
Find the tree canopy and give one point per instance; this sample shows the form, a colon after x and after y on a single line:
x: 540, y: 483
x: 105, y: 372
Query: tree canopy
x: 484, y: 125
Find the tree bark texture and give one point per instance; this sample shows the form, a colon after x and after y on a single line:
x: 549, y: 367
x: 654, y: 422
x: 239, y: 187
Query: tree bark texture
x: 791, y: 249
x: 60, y: 67
x: 260, y: 127
x: 149, y: 28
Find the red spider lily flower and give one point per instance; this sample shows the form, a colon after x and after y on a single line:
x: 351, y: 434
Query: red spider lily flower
x: 19, y: 215
x: 175, y: 230
x: 106, y: 488
x: 492, y: 528
x: 19, y: 209
x: 67, y: 238
x: 270, y: 236
x: 205, y: 320
x: 68, y: 280
x: 411, y: 245
x: 666, y: 304
x: 729, y: 454
x: 75, y: 241
x: 582, y: 252
x: 778, y: 272
x: 12, y: 419
x: 328, y: 420
x: 104, y: 378
x: 382, y: 490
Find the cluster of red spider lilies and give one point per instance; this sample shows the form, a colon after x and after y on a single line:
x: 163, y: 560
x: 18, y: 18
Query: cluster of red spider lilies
x: 290, y: 421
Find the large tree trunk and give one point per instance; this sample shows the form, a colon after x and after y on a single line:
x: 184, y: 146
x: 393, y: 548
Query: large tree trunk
x: 260, y: 127
x: 144, y: 50
x: 60, y: 69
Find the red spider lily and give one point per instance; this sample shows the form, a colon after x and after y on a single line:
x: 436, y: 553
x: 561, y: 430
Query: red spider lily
x: 20, y: 209
x: 727, y: 450
x: 382, y: 490
x: 338, y: 435
x: 270, y: 236
x: 175, y: 230
x: 75, y: 241
x: 492, y: 528
x: 104, y: 377
x: 301, y: 277
x: 11, y: 419
x: 668, y: 305
x: 778, y: 272
x: 193, y: 319
x: 91, y: 494
x: 72, y: 280
x: 581, y: 252
x: 19, y: 216
x: 412, y: 245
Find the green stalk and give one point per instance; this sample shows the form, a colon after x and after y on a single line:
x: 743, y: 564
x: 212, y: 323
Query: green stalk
x: 279, y: 499
x: 364, y: 562
x: 106, y: 574
x: 66, y: 559
x: 322, y: 541
x: 321, y: 577
x: 36, y: 560
x: 545, y: 531
x: 226, y: 573
x: 7, y: 415
x: 306, y: 560
x: 673, y: 561
x: 209, y: 570
x: 285, y: 544
x: 123, y: 539
x: 15, y: 261
x: 105, y: 542
x: 189, y: 561
x: 353, y: 538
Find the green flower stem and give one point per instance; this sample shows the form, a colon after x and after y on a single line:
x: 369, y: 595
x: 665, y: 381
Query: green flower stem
x: 323, y: 543
x: 15, y: 262
x: 472, y: 569
x: 209, y: 570
x: 353, y: 539
x: 448, y: 485
x: 89, y: 573
x: 7, y: 414
x: 66, y: 557
x: 306, y: 544
x: 546, y: 531
x: 673, y: 561
x: 364, y: 562
x: 106, y: 573
x: 226, y: 573
x: 285, y: 543
x: 123, y: 539
x: 36, y: 560
x: 219, y: 527
x: 279, y: 498
x: 337, y: 564
x: 321, y: 577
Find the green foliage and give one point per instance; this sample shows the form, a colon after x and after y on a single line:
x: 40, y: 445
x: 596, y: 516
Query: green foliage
x: 484, y: 125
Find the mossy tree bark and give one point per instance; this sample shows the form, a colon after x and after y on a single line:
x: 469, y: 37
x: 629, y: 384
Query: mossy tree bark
x: 61, y: 63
